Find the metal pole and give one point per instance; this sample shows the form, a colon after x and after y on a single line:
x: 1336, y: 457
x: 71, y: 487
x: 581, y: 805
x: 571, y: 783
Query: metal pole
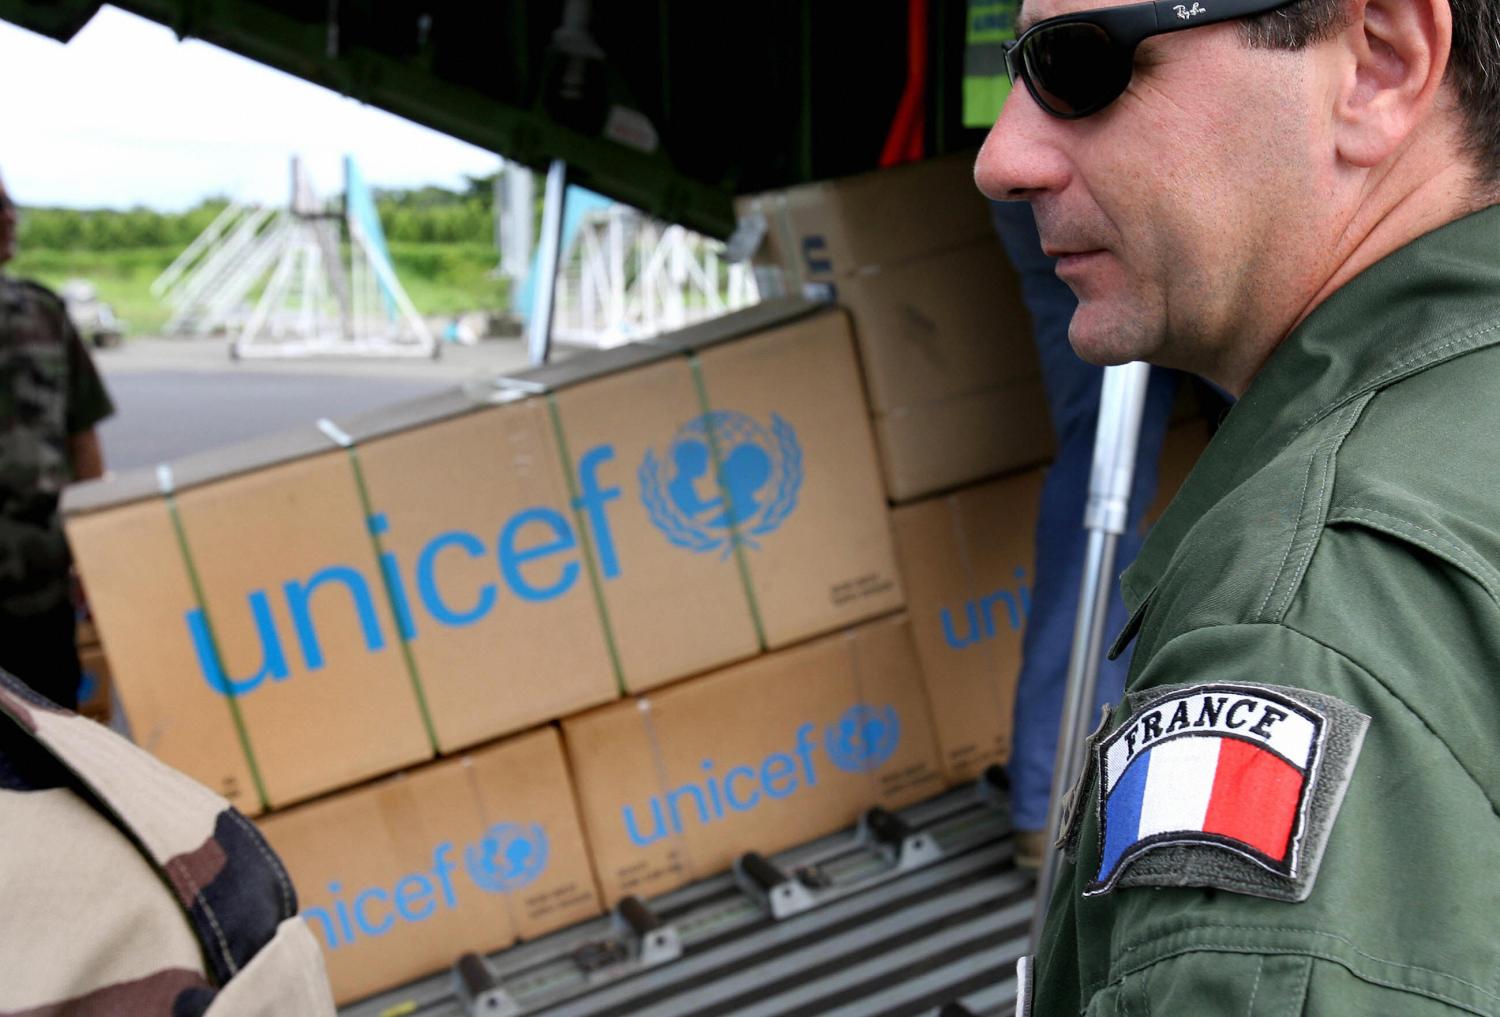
x: 1115, y: 442
x: 543, y: 298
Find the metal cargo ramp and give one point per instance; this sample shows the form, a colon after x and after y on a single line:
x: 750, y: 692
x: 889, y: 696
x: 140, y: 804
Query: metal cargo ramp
x: 907, y: 915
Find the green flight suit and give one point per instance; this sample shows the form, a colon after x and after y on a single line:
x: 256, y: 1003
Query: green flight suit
x: 1341, y: 535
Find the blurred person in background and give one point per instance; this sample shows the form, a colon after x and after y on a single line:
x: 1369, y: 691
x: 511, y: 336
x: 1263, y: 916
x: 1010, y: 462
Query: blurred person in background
x: 129, y: 889
x: 51, y: 399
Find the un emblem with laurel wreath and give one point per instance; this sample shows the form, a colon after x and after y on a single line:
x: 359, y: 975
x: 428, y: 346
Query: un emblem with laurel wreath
x: 508, y: 857
x: 724, y: 481
x: 864, y: 738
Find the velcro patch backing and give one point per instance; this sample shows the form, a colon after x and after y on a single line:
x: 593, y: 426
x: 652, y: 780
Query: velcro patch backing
x: 1232, y: 786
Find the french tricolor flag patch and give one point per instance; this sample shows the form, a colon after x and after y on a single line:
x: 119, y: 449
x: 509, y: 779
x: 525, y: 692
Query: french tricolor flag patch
x: 1230, y: 766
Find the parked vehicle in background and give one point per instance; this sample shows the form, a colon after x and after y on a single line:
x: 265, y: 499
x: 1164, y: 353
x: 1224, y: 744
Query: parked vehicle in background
x: 93, y: 318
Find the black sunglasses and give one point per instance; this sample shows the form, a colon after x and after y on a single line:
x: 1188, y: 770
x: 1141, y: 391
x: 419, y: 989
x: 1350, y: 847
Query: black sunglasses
x: 1077, y: 64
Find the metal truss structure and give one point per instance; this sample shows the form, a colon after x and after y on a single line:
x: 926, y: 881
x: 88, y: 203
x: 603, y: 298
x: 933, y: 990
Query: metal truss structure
x: 630, y: 277
x: 307, y: 301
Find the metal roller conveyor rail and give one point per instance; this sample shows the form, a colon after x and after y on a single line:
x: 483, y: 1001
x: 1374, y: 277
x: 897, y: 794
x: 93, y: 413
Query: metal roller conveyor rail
x: 920, y: 912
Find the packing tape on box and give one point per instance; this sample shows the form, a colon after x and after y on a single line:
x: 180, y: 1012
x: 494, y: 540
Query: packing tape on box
x: 736, y: 538
x: 341, y: 438
x: 591, y: 566
x: 474, y: 855
x: 167, y: 486
x: 684, y: 856
x: 509, y: 388
x: 856, y: 674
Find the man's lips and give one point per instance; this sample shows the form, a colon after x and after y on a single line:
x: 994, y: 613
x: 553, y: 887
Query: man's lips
x: 1069, y: 261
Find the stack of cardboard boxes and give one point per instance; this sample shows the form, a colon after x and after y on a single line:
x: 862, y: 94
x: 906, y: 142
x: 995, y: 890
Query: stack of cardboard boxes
x: 956, y: 401
x: 681, y: 551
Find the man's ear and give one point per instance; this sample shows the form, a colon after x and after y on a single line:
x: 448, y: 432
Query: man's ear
x: 1397, y: 54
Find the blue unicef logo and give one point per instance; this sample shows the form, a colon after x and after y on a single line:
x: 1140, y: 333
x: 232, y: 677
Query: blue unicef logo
x: 507, y: 857
x: 863, y: 739
x: 751, y: 492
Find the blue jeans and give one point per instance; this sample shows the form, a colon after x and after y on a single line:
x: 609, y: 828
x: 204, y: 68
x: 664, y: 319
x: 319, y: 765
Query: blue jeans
x: 1073, y: 390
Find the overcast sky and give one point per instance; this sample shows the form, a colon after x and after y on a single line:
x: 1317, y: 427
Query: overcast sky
x: 126, y: 115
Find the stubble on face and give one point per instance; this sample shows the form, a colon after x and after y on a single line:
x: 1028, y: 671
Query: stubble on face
x: 1189, y: 188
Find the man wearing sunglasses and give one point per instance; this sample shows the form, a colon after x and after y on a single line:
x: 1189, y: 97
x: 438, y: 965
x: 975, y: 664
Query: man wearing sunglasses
x: 1296, y: 808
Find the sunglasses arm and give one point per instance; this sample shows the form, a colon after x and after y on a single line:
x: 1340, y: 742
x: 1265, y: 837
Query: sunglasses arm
x: 1172, y: 15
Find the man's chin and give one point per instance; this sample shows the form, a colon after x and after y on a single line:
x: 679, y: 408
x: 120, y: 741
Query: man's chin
x: 1102, y: 343
x: 1106, y: 333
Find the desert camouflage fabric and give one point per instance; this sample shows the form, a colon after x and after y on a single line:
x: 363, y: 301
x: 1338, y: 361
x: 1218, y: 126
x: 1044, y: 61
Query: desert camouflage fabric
x: 49, y: 389
x: 130, y: 889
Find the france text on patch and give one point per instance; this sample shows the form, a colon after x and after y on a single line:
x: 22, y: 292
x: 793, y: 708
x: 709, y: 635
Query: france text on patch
x: 1231, y: 767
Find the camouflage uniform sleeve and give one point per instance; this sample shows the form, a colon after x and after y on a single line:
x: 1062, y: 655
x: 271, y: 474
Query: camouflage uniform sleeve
x: 135, y: 890
x: 88, y: 400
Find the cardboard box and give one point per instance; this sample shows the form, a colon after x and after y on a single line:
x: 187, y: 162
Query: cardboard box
x: 294, y: 631
x: 398, y: 878
x: 944, y: 339
x: 142, y: 597
x: 968, y: 561
x: 714, y: 542
x: 478, y: 527
x: 945, y: 325
x: 766, y: 754
x: 938, y: 446
x: 951, y: 368
x: 674, y: 609
x: 487, y: 559
x: 823, y: 231
x: 818, y: 551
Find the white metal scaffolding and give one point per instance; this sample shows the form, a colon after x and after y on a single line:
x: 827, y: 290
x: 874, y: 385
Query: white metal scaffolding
x: 630, y: 277
x: 290, y: 262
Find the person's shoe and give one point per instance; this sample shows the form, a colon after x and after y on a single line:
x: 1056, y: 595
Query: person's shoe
x: 1031, y: 848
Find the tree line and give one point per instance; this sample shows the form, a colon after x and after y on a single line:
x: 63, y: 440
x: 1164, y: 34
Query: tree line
x: 419, y: 215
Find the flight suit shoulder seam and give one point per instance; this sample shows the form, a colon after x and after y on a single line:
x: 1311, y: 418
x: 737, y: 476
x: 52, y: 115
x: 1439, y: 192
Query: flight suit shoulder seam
x: 1426, y: 538
x: 1426, y: 355
x: 1396, y: 695
x: 1312, y: 515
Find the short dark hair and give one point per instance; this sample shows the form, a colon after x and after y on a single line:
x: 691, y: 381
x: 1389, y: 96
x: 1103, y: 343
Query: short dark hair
x: 1473, y: 66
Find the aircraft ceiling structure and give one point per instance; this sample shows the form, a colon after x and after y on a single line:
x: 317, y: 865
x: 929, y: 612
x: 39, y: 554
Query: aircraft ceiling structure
x: 673, y: 106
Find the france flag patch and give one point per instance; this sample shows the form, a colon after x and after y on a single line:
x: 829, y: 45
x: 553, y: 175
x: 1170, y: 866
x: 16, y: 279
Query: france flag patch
x: 1228, y: 766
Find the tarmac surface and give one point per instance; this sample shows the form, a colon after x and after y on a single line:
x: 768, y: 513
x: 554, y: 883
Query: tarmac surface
x: 178, y: 396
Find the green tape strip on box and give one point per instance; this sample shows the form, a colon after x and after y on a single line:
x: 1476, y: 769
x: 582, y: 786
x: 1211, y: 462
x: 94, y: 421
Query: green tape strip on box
x: 741, y: 562
x: 340, y: 438
x: 164, y: 482
x: 596, y: 585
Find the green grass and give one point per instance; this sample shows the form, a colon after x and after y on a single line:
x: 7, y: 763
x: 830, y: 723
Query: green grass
x: 441, y: 278
x: 450, y: 278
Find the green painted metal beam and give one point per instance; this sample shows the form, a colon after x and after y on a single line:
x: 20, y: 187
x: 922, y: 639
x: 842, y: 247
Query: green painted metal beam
x: 409, y: 89
x: 57, y: 19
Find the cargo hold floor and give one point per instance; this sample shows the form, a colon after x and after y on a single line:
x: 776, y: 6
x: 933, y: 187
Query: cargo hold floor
x: 901, y: 917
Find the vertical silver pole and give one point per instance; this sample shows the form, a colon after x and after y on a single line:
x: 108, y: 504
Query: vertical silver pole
x: 1115, y: 442
x: 543, y: 300
x: 516, y: 225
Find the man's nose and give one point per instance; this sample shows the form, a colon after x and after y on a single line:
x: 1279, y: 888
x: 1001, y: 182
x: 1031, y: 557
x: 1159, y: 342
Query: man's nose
x: 1021, y: 158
